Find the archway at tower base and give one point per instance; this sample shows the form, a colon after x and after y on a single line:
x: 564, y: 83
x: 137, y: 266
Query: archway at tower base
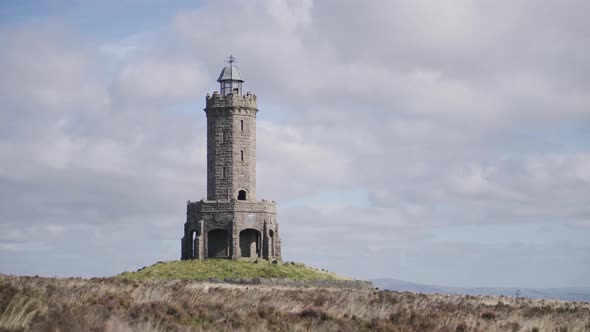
x: 217, y: 243
x: 250, y: 243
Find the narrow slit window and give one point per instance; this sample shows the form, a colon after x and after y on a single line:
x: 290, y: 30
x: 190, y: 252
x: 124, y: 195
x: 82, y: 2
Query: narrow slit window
x: 242, y: 125
x: 223, y: 171
x: 242, y: 155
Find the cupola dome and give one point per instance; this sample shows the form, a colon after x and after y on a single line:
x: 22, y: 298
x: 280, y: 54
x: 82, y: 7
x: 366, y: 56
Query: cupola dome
x: 230, y: 79
x: 230, y: 73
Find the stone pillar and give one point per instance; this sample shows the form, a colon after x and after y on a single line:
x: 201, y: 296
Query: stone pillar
x: 197, y: 248
x: 183, y: 248
x: 202, y: 239
x: 265, y: 242
x: 235, y: 254
x: 277, y: 243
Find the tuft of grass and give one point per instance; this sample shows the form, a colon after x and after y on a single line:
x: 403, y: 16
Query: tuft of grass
x: 225, y: 268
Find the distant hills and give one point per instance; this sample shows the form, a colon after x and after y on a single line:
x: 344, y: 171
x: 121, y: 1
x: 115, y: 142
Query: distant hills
x: 566, y: 294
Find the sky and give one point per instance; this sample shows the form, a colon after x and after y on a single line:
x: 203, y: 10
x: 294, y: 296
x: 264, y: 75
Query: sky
x: 436, y: 142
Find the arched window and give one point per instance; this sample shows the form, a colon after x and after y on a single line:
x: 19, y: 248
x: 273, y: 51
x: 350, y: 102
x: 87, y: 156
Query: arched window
x: 241, y: 195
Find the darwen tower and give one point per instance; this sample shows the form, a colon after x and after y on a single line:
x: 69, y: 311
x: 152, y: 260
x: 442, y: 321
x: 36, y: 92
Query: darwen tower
x: 231, y: 223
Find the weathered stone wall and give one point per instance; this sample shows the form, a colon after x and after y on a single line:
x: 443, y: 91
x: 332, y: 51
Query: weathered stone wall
x: 231, y: 146
x: 234, y: 217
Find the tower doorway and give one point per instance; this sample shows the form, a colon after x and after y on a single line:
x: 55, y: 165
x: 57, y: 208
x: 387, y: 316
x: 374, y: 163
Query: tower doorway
x: 250, y: 243
x: 217, y: 243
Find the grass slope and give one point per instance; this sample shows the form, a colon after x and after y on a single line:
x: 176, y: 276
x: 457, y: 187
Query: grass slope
x: 224, y: 268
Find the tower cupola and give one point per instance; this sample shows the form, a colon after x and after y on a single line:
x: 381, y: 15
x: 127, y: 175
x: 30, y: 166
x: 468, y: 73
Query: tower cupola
x: 230, y: 80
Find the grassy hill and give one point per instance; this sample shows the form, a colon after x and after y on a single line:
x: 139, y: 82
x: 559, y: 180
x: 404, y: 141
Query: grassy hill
x: 224, y: 268
x: 124, y: 304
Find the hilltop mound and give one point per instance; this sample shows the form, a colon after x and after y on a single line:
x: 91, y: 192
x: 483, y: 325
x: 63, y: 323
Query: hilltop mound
x: 223, y: 268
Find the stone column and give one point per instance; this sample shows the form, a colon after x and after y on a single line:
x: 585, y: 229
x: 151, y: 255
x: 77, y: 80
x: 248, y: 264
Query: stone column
x: 202, y: 236
x: 265, y: 242
x: 183, y: 248
x: 197, y: 254
x: 235, y: 254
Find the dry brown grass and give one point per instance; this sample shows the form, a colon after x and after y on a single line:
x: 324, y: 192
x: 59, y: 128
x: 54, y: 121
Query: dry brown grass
x: 111, y: 304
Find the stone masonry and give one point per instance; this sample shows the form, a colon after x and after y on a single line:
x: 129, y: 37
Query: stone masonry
x: 231, y: 223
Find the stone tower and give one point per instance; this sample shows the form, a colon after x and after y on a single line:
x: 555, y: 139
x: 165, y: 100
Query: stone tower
x: 231, y: 223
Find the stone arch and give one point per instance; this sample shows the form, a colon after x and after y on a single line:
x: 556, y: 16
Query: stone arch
x: 218, y: 243
x: 250, y: 243
x: 242, y: 194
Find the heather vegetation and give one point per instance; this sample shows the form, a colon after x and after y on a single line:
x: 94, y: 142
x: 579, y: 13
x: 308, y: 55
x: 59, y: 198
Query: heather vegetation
x: 225, y: 268
x: 126, y: 304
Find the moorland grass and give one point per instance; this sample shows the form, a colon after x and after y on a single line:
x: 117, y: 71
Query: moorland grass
x: 225, y: 268
x: 120, y: 304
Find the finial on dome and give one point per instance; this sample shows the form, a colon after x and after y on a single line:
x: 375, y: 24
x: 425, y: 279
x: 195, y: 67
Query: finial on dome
x: 231, y: 59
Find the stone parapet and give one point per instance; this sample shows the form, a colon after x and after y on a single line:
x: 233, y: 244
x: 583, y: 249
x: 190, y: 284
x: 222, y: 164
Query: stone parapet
x: 233, y: 205
x: 231, y: 100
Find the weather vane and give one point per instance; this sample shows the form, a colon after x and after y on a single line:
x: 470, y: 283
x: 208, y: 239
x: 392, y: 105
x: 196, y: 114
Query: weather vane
x: 231, y: 59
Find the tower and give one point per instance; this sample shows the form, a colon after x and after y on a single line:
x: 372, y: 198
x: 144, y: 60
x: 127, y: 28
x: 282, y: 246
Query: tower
x: 231, y: 139
x: 231, y: 223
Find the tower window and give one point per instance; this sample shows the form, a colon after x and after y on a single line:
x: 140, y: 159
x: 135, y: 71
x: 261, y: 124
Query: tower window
x: 222, y: 137
x: 242, y: 155
x: 223, y: 173
x: 242, y: 125
x: 242, y: 195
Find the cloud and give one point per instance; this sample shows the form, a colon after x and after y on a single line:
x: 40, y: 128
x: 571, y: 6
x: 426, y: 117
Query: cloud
x: 43, y: 69
x: 442, y: 115
x: 165, y: 79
